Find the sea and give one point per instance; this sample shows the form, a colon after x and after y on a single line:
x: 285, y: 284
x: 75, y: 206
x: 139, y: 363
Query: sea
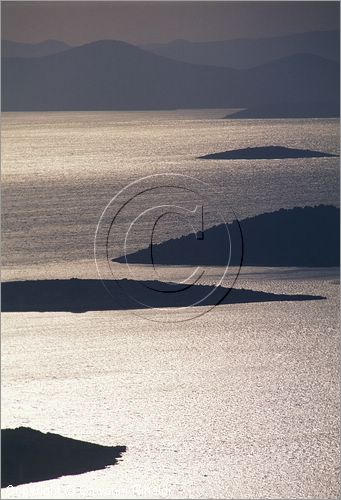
x: 239, y: 401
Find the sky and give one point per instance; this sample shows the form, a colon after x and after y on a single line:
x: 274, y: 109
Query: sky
x: 150, y: 22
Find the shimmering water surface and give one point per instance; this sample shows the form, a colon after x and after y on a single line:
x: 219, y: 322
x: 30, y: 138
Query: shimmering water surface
x: 239, y: 403
x: 61, y: 169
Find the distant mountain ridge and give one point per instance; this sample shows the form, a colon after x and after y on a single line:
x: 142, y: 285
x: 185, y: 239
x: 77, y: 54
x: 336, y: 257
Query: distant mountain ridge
x: 19, y: 49
x: 250, y: 52
x: 114, y: 75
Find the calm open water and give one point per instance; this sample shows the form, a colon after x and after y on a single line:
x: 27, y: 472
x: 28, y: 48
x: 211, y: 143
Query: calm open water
x: 242, y: 402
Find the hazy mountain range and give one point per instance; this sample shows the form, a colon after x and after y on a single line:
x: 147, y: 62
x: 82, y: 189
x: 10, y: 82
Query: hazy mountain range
x: 240, y: 53
x: 114, y: 75
x: 249, y: 52
x: 46, y: 48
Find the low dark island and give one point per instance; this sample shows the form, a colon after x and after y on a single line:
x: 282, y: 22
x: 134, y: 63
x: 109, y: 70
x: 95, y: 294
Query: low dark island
x: 79, y: 296
x: 28, y: 455
x: 266, y: 153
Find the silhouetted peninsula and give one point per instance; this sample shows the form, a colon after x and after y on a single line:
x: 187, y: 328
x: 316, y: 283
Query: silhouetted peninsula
x: 28, y: 455
x: 308, y: 236
x: 278, y: 109
x: 265, y: 153
x: 79, y: 296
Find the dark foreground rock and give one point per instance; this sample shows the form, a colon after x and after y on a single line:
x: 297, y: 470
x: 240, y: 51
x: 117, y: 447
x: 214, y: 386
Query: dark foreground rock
x: 28, y: 455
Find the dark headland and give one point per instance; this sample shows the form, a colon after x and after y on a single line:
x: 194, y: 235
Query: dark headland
x: 300, y: 237
x: 28, y: 455
x: 265, y: 153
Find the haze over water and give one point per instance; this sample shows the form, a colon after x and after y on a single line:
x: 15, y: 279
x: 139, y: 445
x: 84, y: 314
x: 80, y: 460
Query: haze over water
x: 239, y: 403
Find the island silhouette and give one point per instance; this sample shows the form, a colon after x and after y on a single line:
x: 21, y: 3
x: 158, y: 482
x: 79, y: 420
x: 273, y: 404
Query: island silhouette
x: 77, y: 295
x: 28, y: 456
x: 265, y: 153
x: 301, y: 237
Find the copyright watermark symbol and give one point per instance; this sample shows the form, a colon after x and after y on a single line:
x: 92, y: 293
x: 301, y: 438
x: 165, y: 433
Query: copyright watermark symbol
x: 156, y: 243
